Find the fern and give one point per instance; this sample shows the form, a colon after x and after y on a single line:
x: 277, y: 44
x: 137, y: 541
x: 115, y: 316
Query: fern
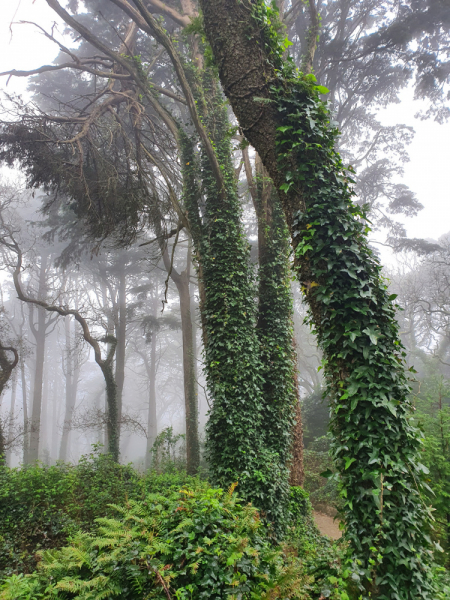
x: 167, y: 545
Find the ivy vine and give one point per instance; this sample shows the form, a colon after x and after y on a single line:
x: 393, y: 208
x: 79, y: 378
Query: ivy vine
x: 242, y: 443
x: 376, y: 448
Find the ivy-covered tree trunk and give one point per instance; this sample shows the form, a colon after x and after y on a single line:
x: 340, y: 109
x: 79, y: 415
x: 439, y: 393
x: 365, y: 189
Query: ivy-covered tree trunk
x: 237, y: 436
x: 376, y: 448
x: 282, y: 415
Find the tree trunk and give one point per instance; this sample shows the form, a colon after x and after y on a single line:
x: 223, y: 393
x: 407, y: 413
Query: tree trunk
x: 39, y: 334
x: 181, y: 281
x: 375, y: 448
x: 72, y: 375
x: 112, y: 427
x: 152, y: 425
x: 43, y: 434
x: 26, y: 424
x: 11, y: 414
x: 36, y: 407
x: 121, y: 328
x: 190, y: 384
x: 297, y: 469
x: 275, y: 324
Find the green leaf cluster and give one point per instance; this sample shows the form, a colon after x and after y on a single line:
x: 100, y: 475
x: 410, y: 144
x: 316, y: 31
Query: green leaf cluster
x: 192, y: 543
x: 41, y: 506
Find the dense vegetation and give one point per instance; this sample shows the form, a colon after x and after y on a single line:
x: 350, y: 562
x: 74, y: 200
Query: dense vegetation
x: 133, y: 154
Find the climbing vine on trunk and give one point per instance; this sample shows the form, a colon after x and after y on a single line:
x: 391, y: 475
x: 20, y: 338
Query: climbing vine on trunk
x: 240, y: 446
x: 375, y: 446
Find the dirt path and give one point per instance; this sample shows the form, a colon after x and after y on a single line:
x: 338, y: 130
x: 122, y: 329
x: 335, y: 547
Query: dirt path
x: 327, y: 526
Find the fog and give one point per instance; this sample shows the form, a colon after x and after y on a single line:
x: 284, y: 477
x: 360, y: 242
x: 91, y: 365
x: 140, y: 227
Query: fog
x: 132, y: 277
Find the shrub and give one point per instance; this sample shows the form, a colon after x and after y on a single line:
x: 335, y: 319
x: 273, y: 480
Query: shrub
x: 195, y: 543
x: 41, y: 506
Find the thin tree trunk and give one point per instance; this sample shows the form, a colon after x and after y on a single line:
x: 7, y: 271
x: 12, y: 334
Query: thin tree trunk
x: 190, y: 384
x: 181, y: 281
x: 26, y: 425
x: 55, y: 417
x: 11, y: 413
x: 121, y: 340
x: 152, y: 425
x: 36, y: 408
x: 72, y: 375
x: 112, y: 419
x: 43, y: 434
x: 39, y: 336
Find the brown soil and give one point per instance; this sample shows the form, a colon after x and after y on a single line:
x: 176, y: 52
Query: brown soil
x: 327, y: 525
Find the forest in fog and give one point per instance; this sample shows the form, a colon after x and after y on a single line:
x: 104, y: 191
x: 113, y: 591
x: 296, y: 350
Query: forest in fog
x: 199, y: 345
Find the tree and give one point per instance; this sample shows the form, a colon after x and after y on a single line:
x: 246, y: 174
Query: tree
x: 281, y: 114
x: 239, y: 446
x: 8, y: 241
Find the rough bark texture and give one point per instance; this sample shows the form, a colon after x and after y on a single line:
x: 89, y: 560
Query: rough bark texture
x: 245, y: 75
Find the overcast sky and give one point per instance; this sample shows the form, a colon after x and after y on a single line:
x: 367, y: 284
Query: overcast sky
x: 427, y: 174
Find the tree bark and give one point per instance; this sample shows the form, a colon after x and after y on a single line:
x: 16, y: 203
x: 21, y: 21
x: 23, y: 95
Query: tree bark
x: 26, y: 424
x: 11, y: 413
x: 6, y: 369
x: 181, y: 281
x: 72, y: 374
x: 152, y: 420
x: 39, y: 333
x: 121, y: 327
x: 38, y: 379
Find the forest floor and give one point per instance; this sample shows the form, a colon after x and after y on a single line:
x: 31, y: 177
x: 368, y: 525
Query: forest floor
x: 327, y: 525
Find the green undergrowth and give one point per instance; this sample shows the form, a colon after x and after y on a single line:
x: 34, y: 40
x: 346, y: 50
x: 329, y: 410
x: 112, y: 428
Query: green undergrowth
x: 42, y: 506
x: 101, y: 530
x: 192, y: 543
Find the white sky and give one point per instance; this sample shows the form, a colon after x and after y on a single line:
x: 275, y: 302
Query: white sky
x: 427, y: 174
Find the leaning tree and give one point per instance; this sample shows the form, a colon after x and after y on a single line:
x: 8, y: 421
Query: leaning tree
x: 281, y: 113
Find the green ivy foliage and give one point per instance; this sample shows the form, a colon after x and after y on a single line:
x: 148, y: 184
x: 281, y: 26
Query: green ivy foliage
x: 375, y: 447
x: 275, y: 329
x: 238, y: 428
x: 193, y: 543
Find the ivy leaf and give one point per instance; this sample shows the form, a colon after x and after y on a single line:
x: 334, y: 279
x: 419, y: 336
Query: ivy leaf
x: 348, y: 462
x: 284, y: 128
x: 327, y: 474
x: 373, y: 335
x: 423, y: 468
x: 322, y: 89
x: 392, y: 297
